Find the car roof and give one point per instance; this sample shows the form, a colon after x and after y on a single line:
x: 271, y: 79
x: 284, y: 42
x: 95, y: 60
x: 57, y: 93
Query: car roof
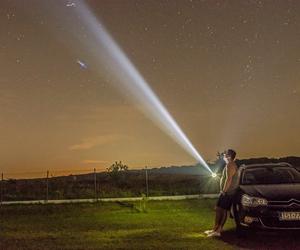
x: 268, y: 165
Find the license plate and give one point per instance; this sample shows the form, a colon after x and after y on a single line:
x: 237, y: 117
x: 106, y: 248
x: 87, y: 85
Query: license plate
x: 289, y: 216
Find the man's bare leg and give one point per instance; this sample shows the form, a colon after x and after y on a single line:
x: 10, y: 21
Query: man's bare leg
x: 222, y: 222
x: 219, y: 218
x: 220, y: 214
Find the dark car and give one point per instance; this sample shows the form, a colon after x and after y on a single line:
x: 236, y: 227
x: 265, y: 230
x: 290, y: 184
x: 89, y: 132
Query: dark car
x: 267, y: 197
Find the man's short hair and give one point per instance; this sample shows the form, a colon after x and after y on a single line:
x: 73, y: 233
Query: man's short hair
x: 231, y: 153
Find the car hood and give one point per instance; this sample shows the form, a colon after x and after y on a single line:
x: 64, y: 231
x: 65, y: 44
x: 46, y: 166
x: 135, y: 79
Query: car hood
x: 279, y: 192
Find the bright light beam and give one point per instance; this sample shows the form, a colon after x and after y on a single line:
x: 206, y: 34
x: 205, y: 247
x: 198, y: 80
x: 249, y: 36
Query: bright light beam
x: 112, y: 56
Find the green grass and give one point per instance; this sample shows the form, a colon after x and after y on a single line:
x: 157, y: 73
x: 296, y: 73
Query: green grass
x: 165, y: 225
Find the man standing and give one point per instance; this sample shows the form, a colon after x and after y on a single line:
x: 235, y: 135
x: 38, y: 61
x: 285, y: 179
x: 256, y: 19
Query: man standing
x: 228, y: 184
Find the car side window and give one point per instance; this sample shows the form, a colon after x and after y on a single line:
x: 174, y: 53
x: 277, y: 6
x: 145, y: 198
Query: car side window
x: 249, y: 178
x: 276, y: 175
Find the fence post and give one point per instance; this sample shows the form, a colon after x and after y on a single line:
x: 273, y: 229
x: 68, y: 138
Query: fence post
x: 47, y: 186
x: 95, y: 184
x: 147, y: 187
x: 1, y: 189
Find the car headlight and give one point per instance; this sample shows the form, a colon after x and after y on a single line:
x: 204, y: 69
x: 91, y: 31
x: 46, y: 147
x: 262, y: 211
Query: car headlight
x: 249, y: 201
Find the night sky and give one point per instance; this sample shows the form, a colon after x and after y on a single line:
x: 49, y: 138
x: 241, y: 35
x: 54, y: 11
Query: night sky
x: 228, y: 72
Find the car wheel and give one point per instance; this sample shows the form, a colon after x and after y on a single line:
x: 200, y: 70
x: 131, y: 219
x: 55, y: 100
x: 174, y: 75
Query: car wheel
x: 241, y: 230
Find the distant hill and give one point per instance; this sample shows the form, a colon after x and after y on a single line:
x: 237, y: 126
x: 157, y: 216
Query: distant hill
x: 293, y: 160
x: 173, y: 180
x: 218, y: 166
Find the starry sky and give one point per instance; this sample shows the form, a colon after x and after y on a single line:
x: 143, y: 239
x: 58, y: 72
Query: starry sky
x: 227, y: 71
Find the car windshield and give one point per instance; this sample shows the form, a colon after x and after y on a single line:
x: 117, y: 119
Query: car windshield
x: 270, y: 175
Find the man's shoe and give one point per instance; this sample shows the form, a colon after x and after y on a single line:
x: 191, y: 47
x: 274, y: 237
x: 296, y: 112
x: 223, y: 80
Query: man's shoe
x: 208, y: 231
x: 214, y: 234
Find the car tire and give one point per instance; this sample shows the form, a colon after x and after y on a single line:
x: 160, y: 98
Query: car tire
x: 241, y: 230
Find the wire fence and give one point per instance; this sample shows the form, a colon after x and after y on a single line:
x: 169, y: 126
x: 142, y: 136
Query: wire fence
x: 90, y: 184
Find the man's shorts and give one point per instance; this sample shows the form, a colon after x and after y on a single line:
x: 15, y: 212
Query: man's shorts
x: 225, y: 201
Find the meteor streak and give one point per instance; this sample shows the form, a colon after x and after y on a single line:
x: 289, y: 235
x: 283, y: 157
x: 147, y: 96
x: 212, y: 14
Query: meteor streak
x: 107, y: 52
x: 82, y: 64
x: 70, y: 5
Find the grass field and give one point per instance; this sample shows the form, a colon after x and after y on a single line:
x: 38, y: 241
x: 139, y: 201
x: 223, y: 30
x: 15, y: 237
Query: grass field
x: 164, y: 225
